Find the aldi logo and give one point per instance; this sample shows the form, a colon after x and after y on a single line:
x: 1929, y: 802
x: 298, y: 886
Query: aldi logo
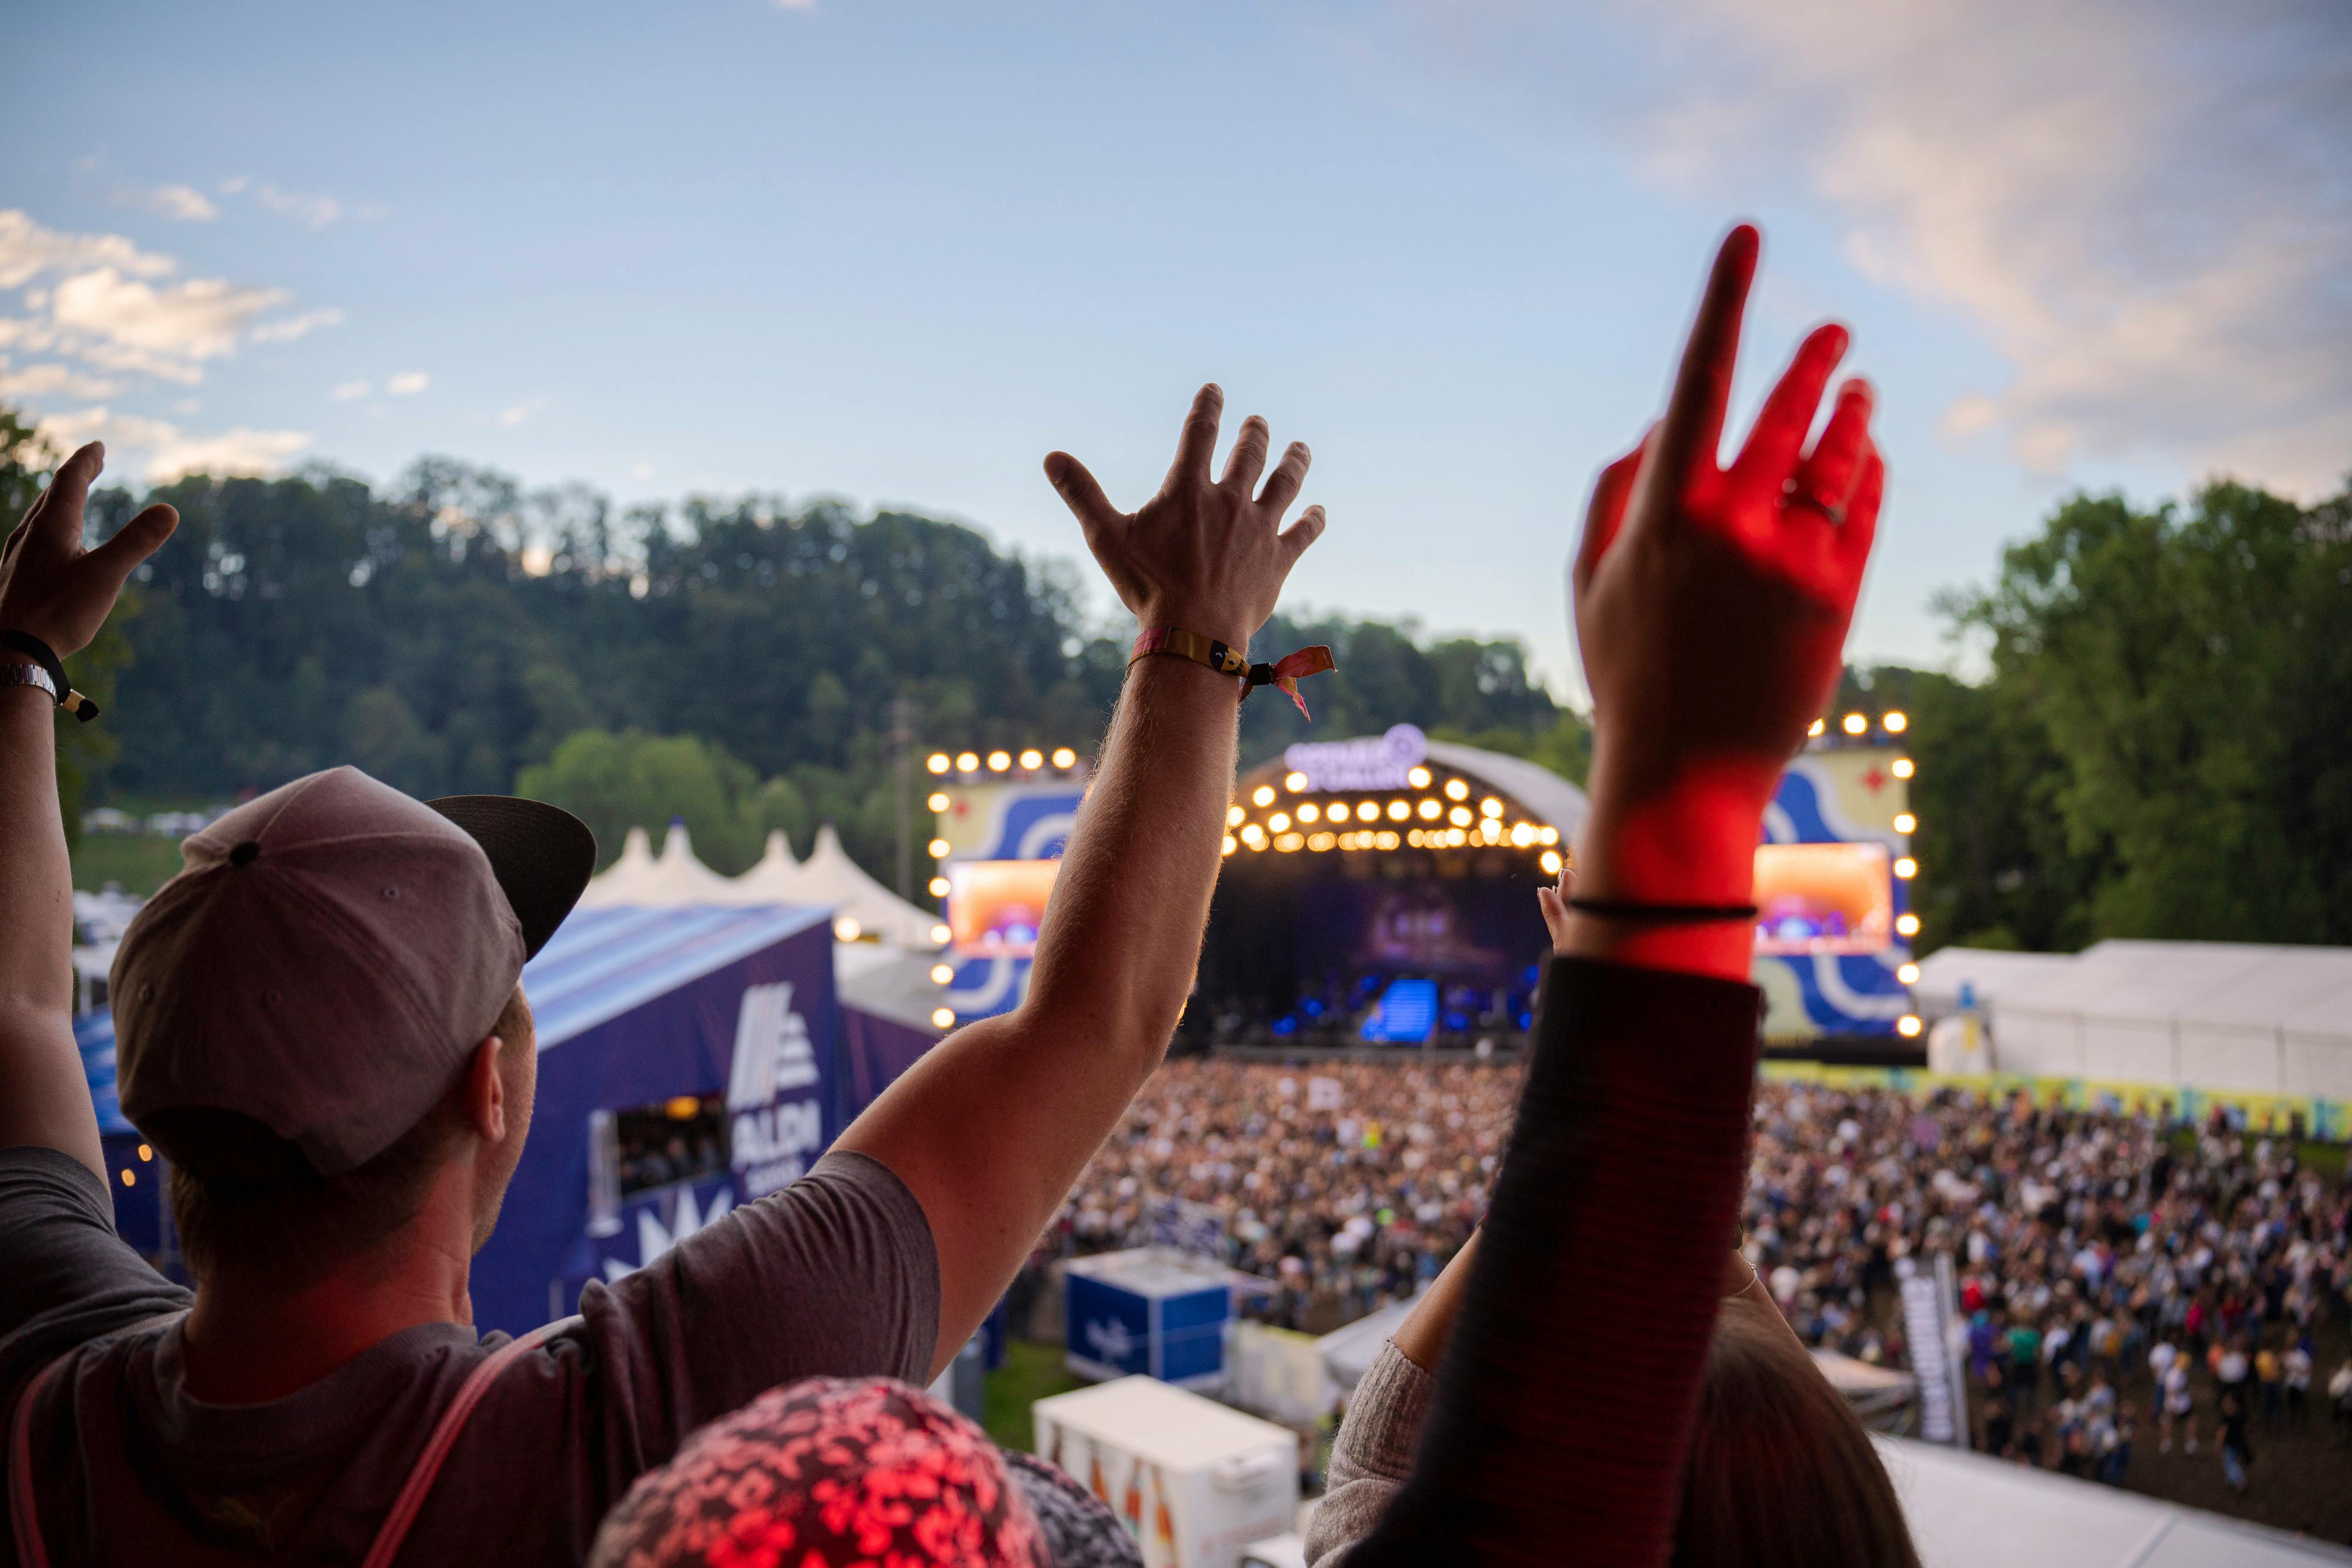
x: 773, y: 1053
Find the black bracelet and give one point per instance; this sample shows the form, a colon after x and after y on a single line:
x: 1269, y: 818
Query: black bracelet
x: 41, y: 654
x: 1630, y: 909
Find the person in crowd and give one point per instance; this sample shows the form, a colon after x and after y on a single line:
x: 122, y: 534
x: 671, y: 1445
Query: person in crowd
x: 2339, y: 1400
x: 2295, y: 1370
x: 2180, y: 1407
x: 318, y: 1025
x: 2236, y: 1453
x: 2270, y: 1382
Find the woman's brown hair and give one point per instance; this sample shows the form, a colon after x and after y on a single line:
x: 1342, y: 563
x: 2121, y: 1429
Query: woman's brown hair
x: 1781, y: 1473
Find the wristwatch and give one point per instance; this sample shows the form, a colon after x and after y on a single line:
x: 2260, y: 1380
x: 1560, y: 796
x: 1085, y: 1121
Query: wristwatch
x: 13, y: 673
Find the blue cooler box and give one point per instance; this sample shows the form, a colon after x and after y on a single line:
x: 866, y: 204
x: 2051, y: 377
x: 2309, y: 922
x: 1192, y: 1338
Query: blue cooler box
x: 1148, y: 1310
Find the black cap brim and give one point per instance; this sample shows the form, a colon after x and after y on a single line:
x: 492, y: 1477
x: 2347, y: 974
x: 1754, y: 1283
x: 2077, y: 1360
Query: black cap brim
x: 542, y: 856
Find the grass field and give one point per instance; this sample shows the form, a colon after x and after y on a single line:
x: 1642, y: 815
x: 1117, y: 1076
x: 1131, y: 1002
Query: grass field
x: 1029, y: 1373
x: 139, y: 861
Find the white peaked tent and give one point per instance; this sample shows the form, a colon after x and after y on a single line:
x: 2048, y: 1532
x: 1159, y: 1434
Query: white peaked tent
x: 671, y: 879
x: 777, y: 878
x: 830, y: 877
x: 626, y: 880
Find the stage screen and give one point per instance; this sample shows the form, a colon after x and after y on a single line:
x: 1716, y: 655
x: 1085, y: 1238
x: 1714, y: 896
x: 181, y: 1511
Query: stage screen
x: 994, y: 907
x: 1823, y: 898
x: 1474, y: 932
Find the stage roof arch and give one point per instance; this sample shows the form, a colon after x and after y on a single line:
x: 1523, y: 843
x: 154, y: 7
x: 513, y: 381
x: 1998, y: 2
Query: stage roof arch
x: 1400, y: 789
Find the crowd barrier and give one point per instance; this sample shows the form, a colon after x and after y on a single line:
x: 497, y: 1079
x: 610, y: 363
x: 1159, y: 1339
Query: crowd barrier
x: 2258, y: 1110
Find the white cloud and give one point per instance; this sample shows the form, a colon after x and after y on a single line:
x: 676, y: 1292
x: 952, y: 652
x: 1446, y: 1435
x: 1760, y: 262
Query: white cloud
x: 2146, y: 207
x: 287, y: 328
x: 349, y: 392
x: 185, y: 203
x: 27, y: 250
x: 198, y: 320
x: 408, y: 383
x: 62, y: 381
x: 515, y: 413
x: 172, y: 454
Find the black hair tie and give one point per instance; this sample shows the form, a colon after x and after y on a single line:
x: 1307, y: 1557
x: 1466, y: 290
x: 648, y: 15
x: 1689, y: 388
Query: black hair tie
x: 41, y: 654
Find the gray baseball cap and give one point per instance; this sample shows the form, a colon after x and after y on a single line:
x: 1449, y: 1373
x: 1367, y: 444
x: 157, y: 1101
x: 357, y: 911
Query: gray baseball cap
x: 332, y: 954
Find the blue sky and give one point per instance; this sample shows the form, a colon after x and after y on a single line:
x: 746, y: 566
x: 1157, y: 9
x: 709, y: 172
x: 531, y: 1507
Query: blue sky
x: 898, y: 252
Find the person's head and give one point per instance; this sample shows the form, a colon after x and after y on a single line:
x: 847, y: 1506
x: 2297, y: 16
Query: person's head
x: 1781, y: 1473
x: 829, y: 1471
x: 318, y: 1021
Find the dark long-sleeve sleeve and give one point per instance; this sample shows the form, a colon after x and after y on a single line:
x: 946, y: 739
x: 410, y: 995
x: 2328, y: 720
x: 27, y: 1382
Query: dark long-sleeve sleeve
x: 1565, y: 1399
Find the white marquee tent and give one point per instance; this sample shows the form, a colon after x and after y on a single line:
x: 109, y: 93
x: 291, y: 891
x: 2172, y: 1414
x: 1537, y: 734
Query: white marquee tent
x: 828, y: 879
x: 2212, y: 1015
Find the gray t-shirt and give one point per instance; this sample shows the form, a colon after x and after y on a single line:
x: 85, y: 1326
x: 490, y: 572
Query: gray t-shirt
x: 834, y: 1276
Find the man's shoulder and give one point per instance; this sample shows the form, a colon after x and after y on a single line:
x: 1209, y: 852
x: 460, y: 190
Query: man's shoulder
x: 70, y: 1277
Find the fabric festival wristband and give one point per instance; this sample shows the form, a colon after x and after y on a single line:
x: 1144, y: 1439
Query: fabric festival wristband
x: 41, y: 654
x: 1693, y: 914
x: 1284, y: 673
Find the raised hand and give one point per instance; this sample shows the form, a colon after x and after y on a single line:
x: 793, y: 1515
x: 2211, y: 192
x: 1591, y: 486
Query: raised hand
x: 1711, y: 609
x: 1712, y: 602
x: 1203, y: 555
x: 52, y: 588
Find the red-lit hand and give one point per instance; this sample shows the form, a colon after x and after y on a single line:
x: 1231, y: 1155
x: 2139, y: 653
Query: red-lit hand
x: 1711, y: 606
x: 1205, y: 555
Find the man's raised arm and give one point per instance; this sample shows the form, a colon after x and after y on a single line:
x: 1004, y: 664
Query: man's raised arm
x: 991, y: 1128
x: 53, y: 590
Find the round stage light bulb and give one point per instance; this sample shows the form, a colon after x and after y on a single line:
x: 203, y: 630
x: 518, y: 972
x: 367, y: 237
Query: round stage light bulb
x: 1254, y: 836
x: 1907, y: 1026
x: 967, y: 762
x: 1368, y: 811
x: 941, y: 934
x: 1263, y: 795
x: 1388, y: 841
x: 1456, y: 790
x: 847, y: 930
x: 1459, y: 816
x: 1548, y: 835
x: 1550, y: 862
x: 1418, y: 778
x: 1908, y: 924
x: 1311, y: 812
x: 1233, y: 815
x: 939, y: 887
x: 1906, y: 868
x: 1293, y: 782
x: 998, y: 762
x: 1455, y: 838
x: 1904, y: 822
x: 937, y: 762
x: 1287, y: 843
x: 1428, y: 811
x: 1412, y: 837
x: 1522, y: 835
x: 1908, y: 973
x: 939, y: 847
x: 1400, y: 809
x: 1278, y: 821
x: 1232, y: 843
x: 1032, y: 759
x: 1318, y: 842
x: 146, y: 1153
x: 1065, y: 758
x: 939, y: 802
x: 942, y: 973
x: 1903, y: 768
x: 1490, y: 807
x: 1854, y: 724
x: 1818, y: 725
x: 944, y: 1018
x: 1896, y: 722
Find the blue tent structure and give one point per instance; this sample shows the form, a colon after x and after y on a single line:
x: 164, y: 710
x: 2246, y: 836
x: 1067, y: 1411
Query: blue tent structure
x: 636, y: 1008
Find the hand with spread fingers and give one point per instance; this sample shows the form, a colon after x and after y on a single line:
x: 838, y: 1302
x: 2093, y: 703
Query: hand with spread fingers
x: 1206, y: 554
x: 1712, y: 602
x: 53, y: 589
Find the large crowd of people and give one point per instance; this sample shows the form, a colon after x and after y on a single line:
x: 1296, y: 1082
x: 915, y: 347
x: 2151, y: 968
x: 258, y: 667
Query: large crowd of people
x: 2094, y: 1250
